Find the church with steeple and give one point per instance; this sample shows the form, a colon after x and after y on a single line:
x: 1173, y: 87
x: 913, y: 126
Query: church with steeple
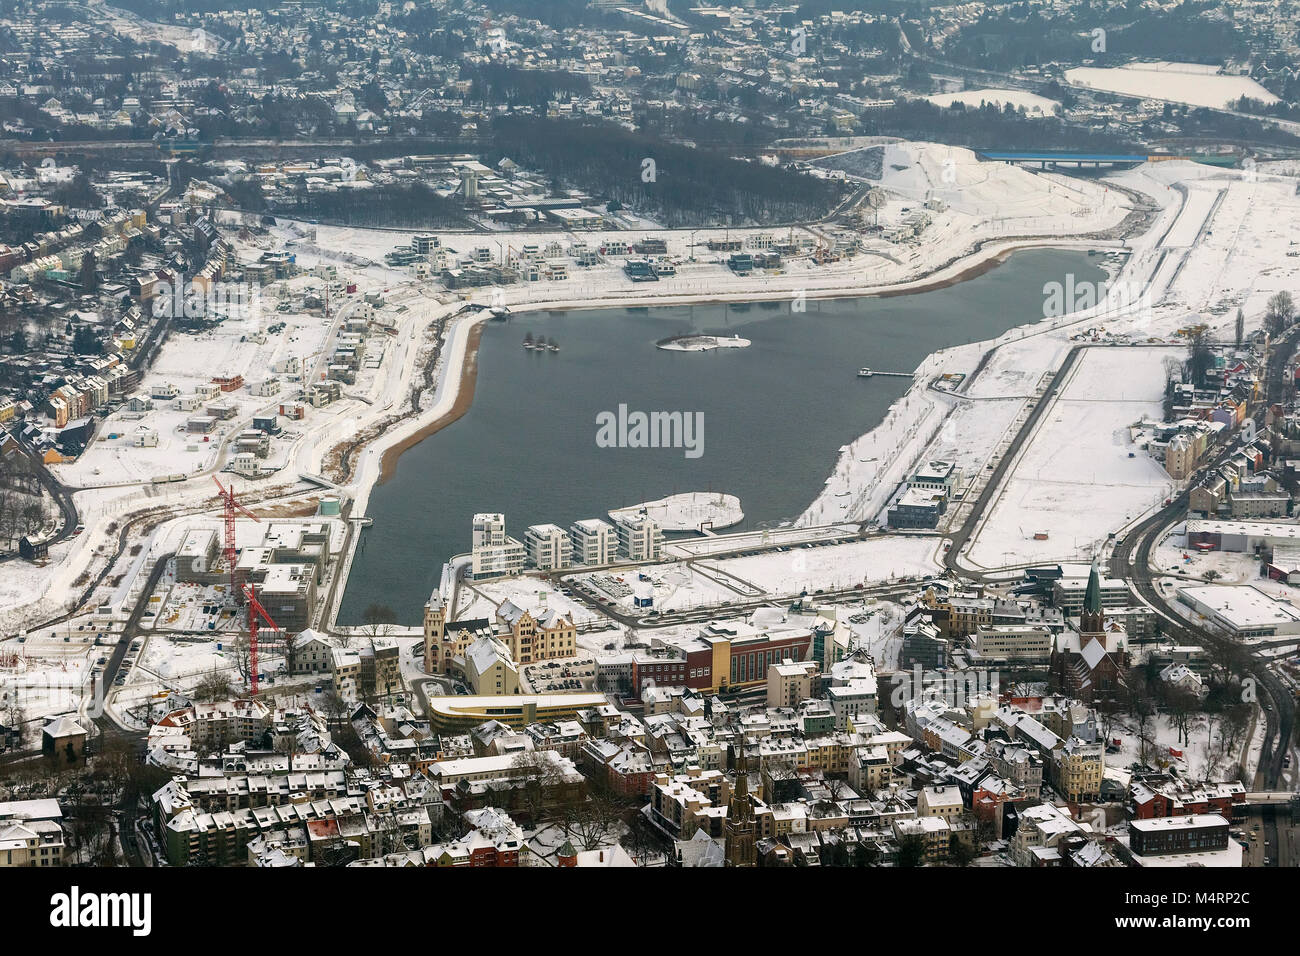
x: 1092, y: 619
x: 741, y: 841
x: 1090, y: 663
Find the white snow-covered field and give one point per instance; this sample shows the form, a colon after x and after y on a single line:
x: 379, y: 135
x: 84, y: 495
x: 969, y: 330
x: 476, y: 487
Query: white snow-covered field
x: 873, y: 561
x: 48, y: 681
x: 1201, y: 198
x: 1031, y: 103
x: 1004, y: 197
x: 689, y: 511
x: 1190, y: 83
x: 1079, y: 477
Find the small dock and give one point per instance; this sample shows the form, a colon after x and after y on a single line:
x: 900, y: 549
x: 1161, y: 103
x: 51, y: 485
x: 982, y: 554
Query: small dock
x: 876, y: 374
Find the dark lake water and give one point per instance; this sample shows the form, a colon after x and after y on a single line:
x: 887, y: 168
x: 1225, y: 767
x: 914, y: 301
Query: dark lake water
x: 774, y: 415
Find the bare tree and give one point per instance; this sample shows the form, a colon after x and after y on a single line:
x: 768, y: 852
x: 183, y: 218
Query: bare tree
x: 1279, y: 313
x: 334, y: 707
x: 212, y: 686
x: 593, y: 823
x: 1181, y: 704
x: 542, y: 776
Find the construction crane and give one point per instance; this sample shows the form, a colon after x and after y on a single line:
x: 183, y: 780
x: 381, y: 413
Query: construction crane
x: 255, y: 612
x: 230, y: 507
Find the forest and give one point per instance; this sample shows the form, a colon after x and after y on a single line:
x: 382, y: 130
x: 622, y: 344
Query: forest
x: 676, y: 184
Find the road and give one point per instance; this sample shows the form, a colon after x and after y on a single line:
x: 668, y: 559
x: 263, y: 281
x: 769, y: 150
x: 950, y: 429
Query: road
x: 961, y: 537
x: 1131, y: 559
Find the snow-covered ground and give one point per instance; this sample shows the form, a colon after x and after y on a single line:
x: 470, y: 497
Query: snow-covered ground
x: 1204, y: 755
x: 1190, y: 83
x: 1079, y: 477
x: 1031, y: 103
x: 689, y: 511
x: 835, y: 566
x: 1239, y: 230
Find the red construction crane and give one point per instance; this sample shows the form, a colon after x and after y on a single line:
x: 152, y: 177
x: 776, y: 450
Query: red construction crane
x: 230, y: 506
x: 255, y: 611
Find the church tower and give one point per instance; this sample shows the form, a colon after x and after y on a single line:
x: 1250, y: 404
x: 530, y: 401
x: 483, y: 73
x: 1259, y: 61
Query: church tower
x: 740, y: 845
x: 1092, y: 620
x: 435, y: 628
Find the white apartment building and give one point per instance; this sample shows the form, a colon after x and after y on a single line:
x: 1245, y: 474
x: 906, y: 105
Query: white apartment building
x: 489, y: 530
x: 494, y: 553
x: 549, y: 547
x: 640, y: 537
x: 594, y: 542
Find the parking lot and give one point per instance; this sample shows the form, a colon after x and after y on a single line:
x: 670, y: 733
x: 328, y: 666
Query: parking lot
x: 572, y: 674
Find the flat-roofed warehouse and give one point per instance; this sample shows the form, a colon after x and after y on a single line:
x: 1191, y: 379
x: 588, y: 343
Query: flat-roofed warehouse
x: 1241, y: 610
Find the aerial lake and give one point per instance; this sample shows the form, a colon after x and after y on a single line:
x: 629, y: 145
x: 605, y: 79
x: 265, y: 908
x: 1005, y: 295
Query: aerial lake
x: 774, y: 415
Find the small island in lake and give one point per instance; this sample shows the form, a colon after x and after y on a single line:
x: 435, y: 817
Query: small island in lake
x: 702, y: 343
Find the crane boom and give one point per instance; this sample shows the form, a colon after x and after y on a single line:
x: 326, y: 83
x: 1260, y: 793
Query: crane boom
x: 229, y: 508
x: 255, y: 612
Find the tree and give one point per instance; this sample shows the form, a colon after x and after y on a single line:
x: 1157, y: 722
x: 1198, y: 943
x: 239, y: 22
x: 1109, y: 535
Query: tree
x: 333, y: 706
x: 213, y: 686
x: 593, y: 823
x: 911, y: 850
x: 1181, y: 704
x: 1108, y: 710
x: 287, y: 745
x: 961, y: 853
x: 378, y: 621
x: 542, y: 774
x: 89, y: 275
x: 1200, y: 359
x: 1279, y: 313
x: 866, y: 854
x: 642, y: 841
x: 1241, y: 326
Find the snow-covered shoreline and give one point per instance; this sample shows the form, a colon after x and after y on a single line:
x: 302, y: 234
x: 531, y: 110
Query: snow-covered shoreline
x: 961, y: 247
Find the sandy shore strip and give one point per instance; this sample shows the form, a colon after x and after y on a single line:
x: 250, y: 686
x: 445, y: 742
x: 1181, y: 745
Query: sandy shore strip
x: 464, y: 397
x: 455, y: 393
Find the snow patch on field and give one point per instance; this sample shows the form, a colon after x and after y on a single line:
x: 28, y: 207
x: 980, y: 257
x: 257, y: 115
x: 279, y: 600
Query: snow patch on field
x: 1190, y: 83
x: 1031, y: 103
x: 829, y: 567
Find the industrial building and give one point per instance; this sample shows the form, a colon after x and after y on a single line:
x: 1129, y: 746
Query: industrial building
x: 1241, y: 610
